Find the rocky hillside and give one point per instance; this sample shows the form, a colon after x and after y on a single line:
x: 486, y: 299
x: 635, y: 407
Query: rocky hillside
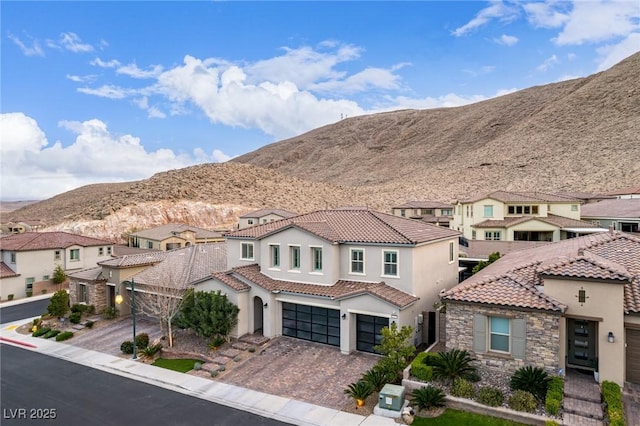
x: 577, y: 135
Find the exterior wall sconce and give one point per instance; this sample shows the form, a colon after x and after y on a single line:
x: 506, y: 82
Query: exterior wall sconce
x: 266, y: 305
x: 394, y: 316
x: 610, y: 337
x: 344, y: 316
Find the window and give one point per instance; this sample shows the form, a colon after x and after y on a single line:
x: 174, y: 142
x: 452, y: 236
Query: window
x: 451, y: 252
x: 390, y: 263
x: 426, y: 211
x: 274, y: 254
x: 357, y: 261
x: 109, y: 251
x: 316, y: 259
x: 13, y: 258
x: 574, y: 207
x: 250, y: 221
x: 294, y: 257
x: 522, y: 210
x: 45, y: 278
x: 29, y: 283
x: 264, y: 220
x: 447, y: 212
x: 403, y: 212
x: 82, y: 293
x: 492, y: 235
x: 467, y: 211
x: 100, y: 251
x: 149, y: 244
x: 246, y: 251
x: 74, y: 254
x: 56, y: 255
x: 473, y: 234
x: 488, y: 211
x: 499, y: 334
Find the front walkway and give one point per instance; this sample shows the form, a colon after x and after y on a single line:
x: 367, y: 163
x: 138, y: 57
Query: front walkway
x: 631, y: 401
x: 582, y: 400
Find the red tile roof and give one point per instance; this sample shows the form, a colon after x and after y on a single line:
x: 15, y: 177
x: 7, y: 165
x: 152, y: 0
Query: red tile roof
x: 265, y: 212
x: 555, y: 220
x: 29, y: 241
x: 354, y: 226
x: 342, y: 289
x: 6, y: 271
x: 424, y: 205
x: 524, y: 197
x: 606, y: 256
x: 618, y: 208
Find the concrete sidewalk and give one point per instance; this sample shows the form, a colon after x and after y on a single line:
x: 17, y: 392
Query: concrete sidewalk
x: 263, y: 404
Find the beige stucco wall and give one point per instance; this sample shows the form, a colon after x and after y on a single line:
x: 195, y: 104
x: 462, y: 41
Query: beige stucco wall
x: 604, y: 304
x: 565, y: 210
x: 431, y: 272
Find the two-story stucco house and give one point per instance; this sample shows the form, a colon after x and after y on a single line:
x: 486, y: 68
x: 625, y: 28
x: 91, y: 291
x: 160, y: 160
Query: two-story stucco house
x: 30, y: 258
x: 429, y: 211
x: 172, y: 236
x: 520, y: 216
x: 337, y: 276
x: 257, y: 217
x: 574, y: 304
x: 621, y: 214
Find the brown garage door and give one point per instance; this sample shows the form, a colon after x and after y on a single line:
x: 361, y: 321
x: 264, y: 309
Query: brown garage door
x: 633, y: 355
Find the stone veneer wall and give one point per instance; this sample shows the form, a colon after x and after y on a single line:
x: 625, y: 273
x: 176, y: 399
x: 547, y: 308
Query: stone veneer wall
x: 96, y: 293
x: 542, y: 337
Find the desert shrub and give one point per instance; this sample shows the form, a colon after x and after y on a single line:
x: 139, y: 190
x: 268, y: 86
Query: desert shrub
x: 51, y: 333
x: 453, y: 364
x: 216, y: 342
x: 151, y: 350
x: 462, y: 388
x: 10, y: 297
x: 377, y: 377
x: 359, y: 390
x: 553, y: 399
x: 65, y: 335
x: 531, y: 379
x: 41, y: 332
x: 197, y: 365
x: 222, y: 368
x: 75, y: 317
x: 237, y: 358
x: 523, y: 401
x: 493, y: 397
x: 214, y: 373
x: 127, y: 347
x: 252, y: 349
x: 142, y: 341
x: 89, y: 324
x: 109, y: 313
x: 613, y: 399
x: 428, y: 397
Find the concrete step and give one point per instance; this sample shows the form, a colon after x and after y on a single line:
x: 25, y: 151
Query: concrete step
x: 569, y: 419
x: 583, y: 389
x: 583, y: 408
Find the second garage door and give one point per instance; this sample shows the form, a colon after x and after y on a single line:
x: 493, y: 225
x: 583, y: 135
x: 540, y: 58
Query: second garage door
x: 369, y: 331
x: 633, y: 355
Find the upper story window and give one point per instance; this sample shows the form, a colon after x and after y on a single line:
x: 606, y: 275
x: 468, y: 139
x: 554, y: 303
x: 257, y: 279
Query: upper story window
x: 100, y: 251
x: 451, y: 252
x: 492, y: 235
x: 249, y: 221
x: 74, y: 254
x: 149, y: 244
x: 109, y: 251
x: 264, y: 220
x: 447, y: 212
x: 13, y: 258
x: 294, y: 257
x: 426, y: 211
x: 246, y: 251
x: 357, y: 261
x: 522, y: 209
x: 574, y: 207
x: 488, y: 211
x: 316, y: 259
x: 403, y: 212
x: 390, y: 263
x: 274, y: 256
x: 56, y: 255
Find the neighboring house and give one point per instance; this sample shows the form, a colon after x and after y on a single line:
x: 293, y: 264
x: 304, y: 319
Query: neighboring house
x: 631, y: 192
x: 429, y: 211
x: 585, y: 197
x: 570, y: 304
x: 338, y: 276
x: 172, y: 236
x: 151, y: 271
x: 22, y: 227
x: 475, y: 251
x: 29, y: 259
x: 520, y: 216
x: 622, y: 214
x: 263, y: 216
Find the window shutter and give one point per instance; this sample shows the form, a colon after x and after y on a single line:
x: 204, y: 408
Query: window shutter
x: 518, y: 338
x: 479, y: 333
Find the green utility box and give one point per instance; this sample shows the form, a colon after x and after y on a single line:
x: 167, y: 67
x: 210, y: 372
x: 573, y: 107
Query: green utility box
x: 391, y: 397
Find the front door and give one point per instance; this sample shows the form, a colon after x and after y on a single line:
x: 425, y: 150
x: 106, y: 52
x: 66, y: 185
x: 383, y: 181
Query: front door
x: 581, y: 344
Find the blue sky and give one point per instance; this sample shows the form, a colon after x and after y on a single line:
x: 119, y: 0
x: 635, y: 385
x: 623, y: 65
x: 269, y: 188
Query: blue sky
x: 117, y: 91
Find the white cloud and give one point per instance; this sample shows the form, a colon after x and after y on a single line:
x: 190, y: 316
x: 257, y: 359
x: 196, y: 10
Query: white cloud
x: 33, y: 170
x: 72, y: 42
x: 132, y: 70
x: 107, y: 91
x: 612, y: 54
x: 33, y: 50
x: 506, y: 40
x: 497, y: 10
x: 82, y: 78
x: 550, y: 14
x: 487, y: 69
x: 548, y: 63
x: 105, y: 64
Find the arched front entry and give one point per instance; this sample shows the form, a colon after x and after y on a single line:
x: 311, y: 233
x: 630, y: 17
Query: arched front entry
x: 258, y: 307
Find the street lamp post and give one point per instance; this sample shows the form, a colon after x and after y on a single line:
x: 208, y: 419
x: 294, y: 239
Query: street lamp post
x: 133, y: 311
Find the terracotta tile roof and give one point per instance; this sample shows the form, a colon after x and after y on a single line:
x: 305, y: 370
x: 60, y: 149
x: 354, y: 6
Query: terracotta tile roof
x: 265, y: 212
x: 604, y: 255
x: 6, y: 271
x: 121, y: 250
x: 171, y: 229
x: 505, y: 223
x: 342, y: 289
x: 230, y: 280
x: 429, y: 204
x: 626, y: 191
x: 584, y: 196
x: 552, y: 219
x: 91, y: 274
x: 481, y: 249
x: 628, y: 208
x: 524, y: 197
x: 354, y: 226
x: 140, y: 259
x: 29, y: 241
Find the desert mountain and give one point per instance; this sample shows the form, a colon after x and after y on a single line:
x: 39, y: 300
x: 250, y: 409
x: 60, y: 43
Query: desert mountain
x: 577, y: 135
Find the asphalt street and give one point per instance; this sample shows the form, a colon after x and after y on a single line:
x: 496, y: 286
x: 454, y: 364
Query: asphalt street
x: 38, y: 388
x: 23, y: 310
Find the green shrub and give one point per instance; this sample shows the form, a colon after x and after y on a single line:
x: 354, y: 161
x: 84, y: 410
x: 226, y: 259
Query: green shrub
x: 214, y: 373
x: 41, y: 331
x: 150, y: 350
x: 51, y: 333
x: 197, y: 366
x: 237, y: 358
x: 490, y: 396
x: 551, y: 423
x: 377, y: 378
x: 555, y: 391
x: 109, y: 313
x: 222, y: 368
x: 59, y: 304
x: 64, y: 336
x: 142, y: 341
x: 552, y: 406
x: 359, y: 390
x: 78, y: 307
x: 252, y: 349
x: 216, y: 342
x: 89, y: 324
x: 613, y: 399
x: 419, y: 368
x: 29, y: 293
x: 428, y: 397
x: 429, y: 357
x: 452, y: 365
x: 531, y: 379
x: 10, y: 297
x: 127, y: 347
x: 91, y: 309
x: 523, y: 401
x: 462, y: 388
x: 75, y: 317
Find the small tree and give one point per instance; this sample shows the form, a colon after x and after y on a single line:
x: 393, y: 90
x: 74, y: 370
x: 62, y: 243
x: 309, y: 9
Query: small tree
x: 208, y: 314
x: 59, y: 304
x: 396, y: 347
x: 58, y: 275
x: 484, y: 263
